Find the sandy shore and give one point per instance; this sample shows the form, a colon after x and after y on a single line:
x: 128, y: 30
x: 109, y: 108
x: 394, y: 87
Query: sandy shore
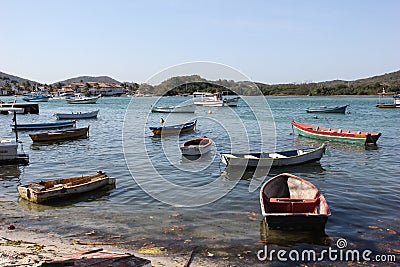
x: 25, y: 248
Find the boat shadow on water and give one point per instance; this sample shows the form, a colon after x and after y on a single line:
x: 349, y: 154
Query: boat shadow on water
x: 99, y: 195
x: 238, y: 173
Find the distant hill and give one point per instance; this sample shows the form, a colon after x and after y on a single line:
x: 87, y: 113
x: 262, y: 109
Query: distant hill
x: 85, y: 79
x: 10, y: 78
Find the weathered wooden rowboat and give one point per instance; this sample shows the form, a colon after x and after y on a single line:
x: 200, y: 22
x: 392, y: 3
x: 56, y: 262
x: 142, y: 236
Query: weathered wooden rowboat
x: 71, y: 134
x: 174, y: 129
x: 289, y: 202
x: 77, y: 115
x: 275, y: 159
x: 59, y: 188
x: 190, y: 108
x: 43, y: 126
x: 325, y: 133
x: 324, y: 109
x: 196, y: 146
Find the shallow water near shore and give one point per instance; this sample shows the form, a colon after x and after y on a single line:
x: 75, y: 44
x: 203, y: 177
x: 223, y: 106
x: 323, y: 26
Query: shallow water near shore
x: 360, y: 184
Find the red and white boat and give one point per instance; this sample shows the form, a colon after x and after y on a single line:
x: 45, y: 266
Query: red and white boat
x: 196, y: 146
x: 289, y: 202
x: 325, y: 133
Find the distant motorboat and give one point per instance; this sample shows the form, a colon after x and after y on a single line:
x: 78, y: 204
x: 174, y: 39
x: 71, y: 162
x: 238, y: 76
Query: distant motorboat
x: 34, y: 97
x: 82, y: 99
x: 190, y: 108
x: 384, y: 104
x: 77, y: 115
x: 62, y: 96
x: 324, y: 109
x: 196, y: 146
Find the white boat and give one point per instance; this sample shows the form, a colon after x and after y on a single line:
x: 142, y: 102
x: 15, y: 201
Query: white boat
x: 62, y: 96
x: 208, y: 99
x: 196, y: 146
x: 11, y: 110
x: 9, y: 153
x: 275, y: 159
x: 77, y: 115
x: 190, y: 108
x: 82, y: 99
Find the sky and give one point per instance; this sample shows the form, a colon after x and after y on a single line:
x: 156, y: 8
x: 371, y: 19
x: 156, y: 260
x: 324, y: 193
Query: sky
x: 282, y: 41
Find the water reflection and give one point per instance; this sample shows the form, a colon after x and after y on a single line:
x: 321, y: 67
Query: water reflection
x: 287, y: 238
x: 9, y: 172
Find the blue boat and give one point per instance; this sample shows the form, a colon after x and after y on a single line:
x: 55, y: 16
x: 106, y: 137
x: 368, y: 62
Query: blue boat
x: 174, y: 129
x: 324, y: 109
x: 43, y: 126
x: 36, y: 98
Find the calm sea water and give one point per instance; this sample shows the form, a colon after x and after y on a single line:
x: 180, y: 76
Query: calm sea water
x: 361, y: 185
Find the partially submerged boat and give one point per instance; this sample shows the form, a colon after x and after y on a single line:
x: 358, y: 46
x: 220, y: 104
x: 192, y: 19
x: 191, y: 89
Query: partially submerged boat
x: 77, y: 115
x: 325, y: 109
x: 289, y: 202
x: 9, y: 153
x: 59, y: 188
x: 333, y: 134
x: 43, y: 126
x: 190, y: 108
x: 196, y: 146
x: 274, y: 159
x: 174, y: 129
x: 70, y: 134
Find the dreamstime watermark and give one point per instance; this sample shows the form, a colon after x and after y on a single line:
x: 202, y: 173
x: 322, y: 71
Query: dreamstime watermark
x: 340, y: 253
x: 156, y: 164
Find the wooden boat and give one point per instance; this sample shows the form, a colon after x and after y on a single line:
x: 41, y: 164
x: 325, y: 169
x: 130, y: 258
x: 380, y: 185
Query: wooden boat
x: 196, y: 146
x: 275, y: 159
x: 59, y: 188
x: 77, y: 115
x: 71, y: 134
x: 325, y: 133
x: 36, y: 98
x: 82, y: 99
x: 9, y: 153
x: 190, y: 108
x: 43, y: 126
x: 174, y: 129
x: 324, y: 109
x: 289, y: 202
x: 99, y: 258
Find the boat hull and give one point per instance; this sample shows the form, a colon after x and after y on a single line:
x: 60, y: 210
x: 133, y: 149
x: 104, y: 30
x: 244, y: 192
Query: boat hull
x: 339, y: 109
x: 175, y: 109
x: 55, y: 189
x: 88, y: 100
x: 75, y: 116
x: 277, y: 159
x: 9, y: 153
x: 174, y: 129
x: 61, y: 135
x: 196, y: 146
x: 339, y: 135
x: 41, y: 126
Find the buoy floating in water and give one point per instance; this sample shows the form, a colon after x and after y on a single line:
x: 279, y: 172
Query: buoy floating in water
x: 161, y: 120
x: 209, y: 111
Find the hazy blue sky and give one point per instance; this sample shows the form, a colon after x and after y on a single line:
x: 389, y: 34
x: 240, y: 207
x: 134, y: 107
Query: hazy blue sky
x: 278, y: 41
